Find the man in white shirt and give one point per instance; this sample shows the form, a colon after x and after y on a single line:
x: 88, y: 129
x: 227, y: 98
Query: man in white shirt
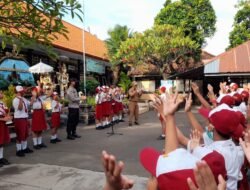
x: 20, y: 105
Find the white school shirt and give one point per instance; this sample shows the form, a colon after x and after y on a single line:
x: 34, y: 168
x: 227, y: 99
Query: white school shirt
x: 98, y: 98
x: 38, y: 104
x: 53, y: 106
x: 2, y: 109
x: 20, y: 113
x: 234, y: 159
x: 243, y: 108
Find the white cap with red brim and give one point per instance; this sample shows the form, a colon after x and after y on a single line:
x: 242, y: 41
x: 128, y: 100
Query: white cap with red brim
x: 172, y: 170
x: 19, y: 89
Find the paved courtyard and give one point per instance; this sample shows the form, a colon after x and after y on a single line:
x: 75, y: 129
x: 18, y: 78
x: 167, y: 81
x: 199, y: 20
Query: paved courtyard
x: 76, y: 164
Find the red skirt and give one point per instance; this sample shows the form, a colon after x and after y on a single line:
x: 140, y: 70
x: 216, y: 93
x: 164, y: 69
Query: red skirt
x: 120, y: 106
x: 107, y: 109
x: 38, y: 121
x: 21, y: 128
x: 55, y: 120
x: 98, y: 112
x: 4, y: 133
x: 116, y: 108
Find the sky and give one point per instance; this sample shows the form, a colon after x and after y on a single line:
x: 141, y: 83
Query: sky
x: 102, y: 15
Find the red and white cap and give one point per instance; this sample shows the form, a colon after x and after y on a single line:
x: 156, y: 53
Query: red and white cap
x: 34, y: 89
x: 163, y: 89
x: 98, y: 89
x: 226, y: 99
x: 19, y: 89
x: 234, y: 86
x: 225, y: 120
x: 245, y: 95
x: 238, y: 98
x: 172, y: 170
x: 54, y: 94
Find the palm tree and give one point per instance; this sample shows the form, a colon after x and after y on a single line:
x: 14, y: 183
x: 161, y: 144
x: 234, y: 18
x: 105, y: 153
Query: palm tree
x: 117, y: 35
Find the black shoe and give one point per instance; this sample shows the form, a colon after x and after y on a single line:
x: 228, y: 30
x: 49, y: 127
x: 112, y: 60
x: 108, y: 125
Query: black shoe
x: 99, y: 128
x: 53, y: 141
x: 3, y: 161
x: 136, y: 123
x: 20, y: 153
x: 58, y: 140
x: 1, y: 165
x: 42, y: 145
x: 121, y: 120
x: 76, y: 136
x: 130, y: 125
x: 161, y: 137
x: 36, y: 147
x: 69, y: 137
x: 27, y: 151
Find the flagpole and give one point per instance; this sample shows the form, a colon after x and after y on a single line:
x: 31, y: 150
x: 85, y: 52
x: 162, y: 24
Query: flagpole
x: 84, y: 55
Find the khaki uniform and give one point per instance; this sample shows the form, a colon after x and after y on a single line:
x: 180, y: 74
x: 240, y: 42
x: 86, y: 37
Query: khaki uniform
x: 133, y: 105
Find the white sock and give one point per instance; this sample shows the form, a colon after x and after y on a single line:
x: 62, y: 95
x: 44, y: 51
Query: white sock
x: 163, y: 135
x: 55, y: 136
x: 120, y: 117
x: 18, y: 147
x: 97, y: 125
x: 39, y: 140
x: 1, y: 152
x: 35, y: 141
x: 24, y: 145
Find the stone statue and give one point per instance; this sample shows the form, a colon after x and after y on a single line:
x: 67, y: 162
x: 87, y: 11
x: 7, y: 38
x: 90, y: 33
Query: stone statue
x: 63, y: 79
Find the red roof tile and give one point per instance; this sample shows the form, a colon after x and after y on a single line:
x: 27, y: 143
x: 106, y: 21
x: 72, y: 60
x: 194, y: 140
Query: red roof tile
x: 93, y: 46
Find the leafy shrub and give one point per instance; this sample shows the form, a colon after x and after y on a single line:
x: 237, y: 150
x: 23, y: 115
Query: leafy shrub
x: 91, y: 101
x: 90, y: 86
x: 9, y: 95
x: 125, y: 82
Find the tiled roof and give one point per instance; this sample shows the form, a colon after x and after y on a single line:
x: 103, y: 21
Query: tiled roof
x: 236, y: 60
x: 93, y: 46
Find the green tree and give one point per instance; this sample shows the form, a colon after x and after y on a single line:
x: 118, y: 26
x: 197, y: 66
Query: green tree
x: 117, y: 35
x: 196, y: 17
x: 241, y: 26
x: 164, y: 45
x: 30, y: 22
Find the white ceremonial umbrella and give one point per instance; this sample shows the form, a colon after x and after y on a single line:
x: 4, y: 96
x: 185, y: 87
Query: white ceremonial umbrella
x: 41, y: 68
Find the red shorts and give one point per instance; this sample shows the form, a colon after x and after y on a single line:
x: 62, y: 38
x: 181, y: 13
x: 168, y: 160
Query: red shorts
x: 21, y: 128
x: 55, y: 120
x: 38, y: 121
x: 4, y: 133
x: 98, y: 112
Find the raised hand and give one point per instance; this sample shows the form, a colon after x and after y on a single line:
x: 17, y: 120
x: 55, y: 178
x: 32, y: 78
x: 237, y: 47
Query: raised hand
x: 188, y: 104
x: 205, y: 179
x: 113, y: 171
x: 210, y: 88
x: 171, y: 103
x: 195, y: 137
x: 195, y: 88
x: 245, y: 144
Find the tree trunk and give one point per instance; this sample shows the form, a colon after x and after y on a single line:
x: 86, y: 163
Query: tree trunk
x: 116, y: 74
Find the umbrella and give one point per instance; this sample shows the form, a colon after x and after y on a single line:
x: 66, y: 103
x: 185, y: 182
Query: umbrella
x: 41, y: 68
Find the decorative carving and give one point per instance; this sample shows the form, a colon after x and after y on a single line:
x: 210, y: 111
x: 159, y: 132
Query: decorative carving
x: 63, y: 78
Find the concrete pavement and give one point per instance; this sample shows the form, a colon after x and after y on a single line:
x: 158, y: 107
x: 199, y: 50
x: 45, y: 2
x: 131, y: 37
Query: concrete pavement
x: 78, y: 162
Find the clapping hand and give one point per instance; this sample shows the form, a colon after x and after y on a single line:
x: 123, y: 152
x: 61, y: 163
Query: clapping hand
x: 245, y: 144
x: 113, y: 171
x: 205, y: 179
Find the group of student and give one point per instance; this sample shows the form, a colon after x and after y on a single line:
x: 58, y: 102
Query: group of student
x: 216, y: 156
x: 109, y: 106
x: 22, y: 107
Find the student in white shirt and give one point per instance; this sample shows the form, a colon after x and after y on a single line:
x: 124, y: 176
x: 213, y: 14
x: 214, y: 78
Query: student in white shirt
x: 55, y: 118
x: 21, y: 105
x: 38, y: 119
x: 4, y: 129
